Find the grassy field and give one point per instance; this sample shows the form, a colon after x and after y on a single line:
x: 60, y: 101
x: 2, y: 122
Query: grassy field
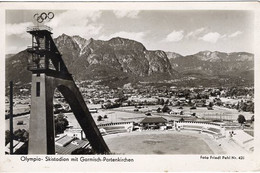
x: 127, y: 114
x: 161, y: 142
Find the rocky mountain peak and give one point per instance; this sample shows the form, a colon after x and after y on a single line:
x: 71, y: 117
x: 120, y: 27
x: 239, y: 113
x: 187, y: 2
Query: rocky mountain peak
x: 217, y: 56
x: 124, y: 43
x: 82, y: 42
x: 66, y: 41
x: 123, y: 55
x: 173, y: 55
x: 123, y: 61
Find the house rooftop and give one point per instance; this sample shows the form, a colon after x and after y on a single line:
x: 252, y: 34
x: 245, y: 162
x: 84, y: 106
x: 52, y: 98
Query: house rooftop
x: 16, y: 146
x: 63, y: 140
x: 75, y: 144
x: 154, y: 120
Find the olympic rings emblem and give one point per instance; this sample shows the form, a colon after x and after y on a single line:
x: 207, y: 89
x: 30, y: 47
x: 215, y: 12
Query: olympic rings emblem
x: 43, y: 16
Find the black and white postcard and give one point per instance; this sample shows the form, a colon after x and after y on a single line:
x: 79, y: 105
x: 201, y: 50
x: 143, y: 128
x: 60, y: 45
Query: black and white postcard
x: 130, y: 86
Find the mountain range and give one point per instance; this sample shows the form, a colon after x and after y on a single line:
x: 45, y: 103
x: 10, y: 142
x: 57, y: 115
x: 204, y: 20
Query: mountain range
x: 119, y: 61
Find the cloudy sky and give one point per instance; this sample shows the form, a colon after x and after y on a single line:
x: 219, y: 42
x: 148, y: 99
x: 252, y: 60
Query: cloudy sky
x: 184, y: 32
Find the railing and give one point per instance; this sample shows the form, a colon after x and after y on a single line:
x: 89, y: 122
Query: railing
x: 111, y: 124
x: 41, y: 66
x: 39, y: 28
x: 197, y: 122
x: 37, y: 48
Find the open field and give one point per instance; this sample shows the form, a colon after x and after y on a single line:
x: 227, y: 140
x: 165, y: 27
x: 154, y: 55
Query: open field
x: 113, y: 116
x: 202, y: 112
x: 126, y: 114
x: 152, y: 142
x: 162, y: 142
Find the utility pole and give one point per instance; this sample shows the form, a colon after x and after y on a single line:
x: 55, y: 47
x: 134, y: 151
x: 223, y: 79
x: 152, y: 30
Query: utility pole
x: 11, y: 117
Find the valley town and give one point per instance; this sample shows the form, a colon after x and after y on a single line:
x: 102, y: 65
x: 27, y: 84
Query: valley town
x: 199, y: 115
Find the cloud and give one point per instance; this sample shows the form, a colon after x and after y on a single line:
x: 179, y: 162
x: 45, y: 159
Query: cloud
x: 126, y: 13
x: 235, y: 34
x: 77, y: 22
x: 18, y: 29
x: 83, y: 31
x: 74, y: 22
x: 138, y: 36
x: 175, y: 36
x: 212, y: 37
x: 75, y: 17
x: 196, y: 33
x: 14, y: 49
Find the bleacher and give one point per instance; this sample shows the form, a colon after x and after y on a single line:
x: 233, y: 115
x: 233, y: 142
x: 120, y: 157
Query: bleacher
x: 115, y: 129
x: 191, y: 127
x: 204, y: 127
x: 209, y: 132
x: 214, y: 130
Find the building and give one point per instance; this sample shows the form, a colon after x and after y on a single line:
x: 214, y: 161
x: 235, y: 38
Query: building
x: 93, y: 110
x: 63, y: 140
x: 65, y: 144
x: 176, y: 112
x: 17, y: 145
x: 75, y: 133
x: 153, y: 123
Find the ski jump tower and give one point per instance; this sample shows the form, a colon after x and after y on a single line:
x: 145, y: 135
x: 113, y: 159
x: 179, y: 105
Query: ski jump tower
x: 48, y: 73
